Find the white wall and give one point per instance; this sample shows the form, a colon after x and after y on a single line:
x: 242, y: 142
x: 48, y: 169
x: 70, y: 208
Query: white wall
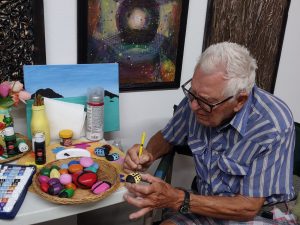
x: 288, y: 79
x: 148, y: 110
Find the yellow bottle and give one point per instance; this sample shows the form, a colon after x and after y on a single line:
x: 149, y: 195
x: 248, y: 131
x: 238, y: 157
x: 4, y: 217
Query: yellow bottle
x: 39, y: 122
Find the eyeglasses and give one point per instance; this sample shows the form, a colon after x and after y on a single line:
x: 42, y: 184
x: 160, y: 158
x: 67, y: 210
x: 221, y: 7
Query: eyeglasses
x: 202, y: 103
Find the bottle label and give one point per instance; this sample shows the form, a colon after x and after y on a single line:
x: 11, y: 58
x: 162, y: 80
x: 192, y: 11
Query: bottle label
x: 95, y: 116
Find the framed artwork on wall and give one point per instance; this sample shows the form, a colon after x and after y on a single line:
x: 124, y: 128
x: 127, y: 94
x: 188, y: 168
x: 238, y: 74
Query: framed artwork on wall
x: 145, y: 37
x: 22, y: 39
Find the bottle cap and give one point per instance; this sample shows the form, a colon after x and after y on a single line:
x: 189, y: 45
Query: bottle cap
x: 96, y: 95
x: 23, y: 147
x: 9, y: 131
x: 65, y: 133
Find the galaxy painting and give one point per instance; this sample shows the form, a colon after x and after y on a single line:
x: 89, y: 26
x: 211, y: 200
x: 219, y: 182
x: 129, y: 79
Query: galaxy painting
x: 145, y: 37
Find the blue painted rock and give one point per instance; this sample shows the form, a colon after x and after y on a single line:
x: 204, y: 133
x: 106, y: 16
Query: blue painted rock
x: 73, y: 162
x: 102, y: 151
x: 112, y: 157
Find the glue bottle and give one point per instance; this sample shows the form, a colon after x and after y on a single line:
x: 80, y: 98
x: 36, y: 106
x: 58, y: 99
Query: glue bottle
x: 95, y: 114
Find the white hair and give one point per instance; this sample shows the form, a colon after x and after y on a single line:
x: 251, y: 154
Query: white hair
x: 235, y: 61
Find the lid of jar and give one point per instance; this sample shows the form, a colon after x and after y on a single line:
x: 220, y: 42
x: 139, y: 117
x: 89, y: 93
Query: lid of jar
x: 65, y: 133
x: 9, y: 131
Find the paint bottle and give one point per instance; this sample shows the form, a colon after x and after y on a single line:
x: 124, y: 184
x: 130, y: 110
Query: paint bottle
x: 39, y: 148
x: 10, y: 141
x: 95, y: 114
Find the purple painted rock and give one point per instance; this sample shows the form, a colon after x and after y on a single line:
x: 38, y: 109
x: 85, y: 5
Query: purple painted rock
x: 53, y: 181
x: 55, y: 189
x: 86, y: 179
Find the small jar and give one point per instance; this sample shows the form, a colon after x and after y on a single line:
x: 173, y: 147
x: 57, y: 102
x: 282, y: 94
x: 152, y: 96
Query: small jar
x: 66, y: 137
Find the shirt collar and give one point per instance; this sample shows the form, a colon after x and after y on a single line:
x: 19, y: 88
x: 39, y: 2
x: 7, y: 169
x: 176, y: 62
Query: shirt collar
x: 239, y: 121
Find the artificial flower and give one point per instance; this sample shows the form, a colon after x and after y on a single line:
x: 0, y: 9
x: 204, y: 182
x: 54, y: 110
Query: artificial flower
x: 11, y: 93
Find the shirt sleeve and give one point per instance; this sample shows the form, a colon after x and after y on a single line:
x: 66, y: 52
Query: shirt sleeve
x: 271, y: 173
x: 176, y: 131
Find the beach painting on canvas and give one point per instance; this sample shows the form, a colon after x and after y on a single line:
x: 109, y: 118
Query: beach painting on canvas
x: 70, y: 83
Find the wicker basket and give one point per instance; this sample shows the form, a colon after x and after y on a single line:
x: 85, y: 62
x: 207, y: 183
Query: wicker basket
x: 28, y: 142
x: 106, y: 172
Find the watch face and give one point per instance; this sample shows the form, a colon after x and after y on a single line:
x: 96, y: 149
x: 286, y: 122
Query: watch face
x: 184, y: 209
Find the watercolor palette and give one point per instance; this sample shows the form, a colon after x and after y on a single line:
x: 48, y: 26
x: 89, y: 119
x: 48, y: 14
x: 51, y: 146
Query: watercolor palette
x: 14, y: 183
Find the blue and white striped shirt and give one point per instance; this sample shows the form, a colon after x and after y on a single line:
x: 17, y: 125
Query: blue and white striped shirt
x: 252, y: 155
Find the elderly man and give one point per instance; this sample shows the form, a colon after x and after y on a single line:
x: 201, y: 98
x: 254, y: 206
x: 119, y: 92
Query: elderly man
x: 242, y: 139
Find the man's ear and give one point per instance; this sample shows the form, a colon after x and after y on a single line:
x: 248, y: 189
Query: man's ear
x: 241, y: 99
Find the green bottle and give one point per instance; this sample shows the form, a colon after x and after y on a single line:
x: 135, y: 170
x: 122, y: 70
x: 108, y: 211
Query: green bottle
x: 10, y: 141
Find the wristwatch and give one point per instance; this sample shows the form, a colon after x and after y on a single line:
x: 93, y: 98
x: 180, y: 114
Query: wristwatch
x: 185, y: 207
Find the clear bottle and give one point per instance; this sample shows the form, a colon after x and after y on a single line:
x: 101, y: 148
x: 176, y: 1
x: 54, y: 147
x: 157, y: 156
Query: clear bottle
x: 95, y: 114
x: 39, y: 122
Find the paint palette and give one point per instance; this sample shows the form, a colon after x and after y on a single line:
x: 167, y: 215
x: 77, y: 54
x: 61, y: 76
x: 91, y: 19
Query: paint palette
x: 14, y: 183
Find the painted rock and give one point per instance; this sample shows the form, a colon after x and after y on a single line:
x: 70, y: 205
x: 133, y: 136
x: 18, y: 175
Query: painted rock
x: 96, y: 165
x: 85, y: 180
x: 64, y: 166
x: 100, y: 187
x: 66, y: 193
x: 75, y: 168
x: 91, y: 169
x: 70, y: 186
x: 45, y: 171
x: 44, y: 187
x: 86, y: 161
x: 53, y: 181
x: 74, y: 178
x: 73, y: 162
x: 55, y: 189
x: 43, y: 179
x: 133, y: 178
x: 65, y: 179
x: 63, y: 171
x: 112, y: 157
x: 102, y: 151
x: 54, y: 173
x: 55, y: 167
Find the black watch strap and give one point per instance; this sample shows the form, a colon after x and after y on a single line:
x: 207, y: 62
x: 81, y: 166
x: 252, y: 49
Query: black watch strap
x: 185, y: 207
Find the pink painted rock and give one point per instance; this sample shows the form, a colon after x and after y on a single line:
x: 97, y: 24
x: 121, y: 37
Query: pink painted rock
x: 86, y: 161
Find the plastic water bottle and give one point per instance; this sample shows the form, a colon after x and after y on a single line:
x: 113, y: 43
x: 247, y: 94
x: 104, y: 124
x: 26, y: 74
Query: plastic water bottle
x: 95, y: 114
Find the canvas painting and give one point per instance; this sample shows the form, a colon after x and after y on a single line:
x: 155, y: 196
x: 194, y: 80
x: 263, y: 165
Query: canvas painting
x: 70, y: 83
x: 146, y: 38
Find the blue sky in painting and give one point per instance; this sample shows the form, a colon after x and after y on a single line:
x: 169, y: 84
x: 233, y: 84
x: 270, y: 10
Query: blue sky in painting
x: 72, y: 80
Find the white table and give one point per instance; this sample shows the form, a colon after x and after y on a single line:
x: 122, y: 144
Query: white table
x: 36, y: 209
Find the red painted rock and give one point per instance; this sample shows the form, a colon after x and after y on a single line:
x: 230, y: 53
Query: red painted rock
x: 85, y: 180
x: 44, y: 187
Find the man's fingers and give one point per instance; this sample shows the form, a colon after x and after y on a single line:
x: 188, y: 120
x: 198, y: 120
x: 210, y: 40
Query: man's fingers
x: 150, y: 179
x: 139, y: 213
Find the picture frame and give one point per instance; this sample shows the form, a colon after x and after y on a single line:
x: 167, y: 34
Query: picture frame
x: 22, y: 37
x: 145, y: 37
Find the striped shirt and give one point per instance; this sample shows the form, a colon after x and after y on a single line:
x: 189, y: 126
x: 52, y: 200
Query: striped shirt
x: 252, y: 155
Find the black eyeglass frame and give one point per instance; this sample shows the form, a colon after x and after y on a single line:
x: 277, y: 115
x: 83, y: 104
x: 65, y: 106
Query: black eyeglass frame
x: 199, y: 100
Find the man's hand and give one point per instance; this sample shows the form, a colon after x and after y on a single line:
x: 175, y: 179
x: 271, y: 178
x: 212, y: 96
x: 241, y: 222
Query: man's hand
x: 133, y: 162
x: 156, y: 194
